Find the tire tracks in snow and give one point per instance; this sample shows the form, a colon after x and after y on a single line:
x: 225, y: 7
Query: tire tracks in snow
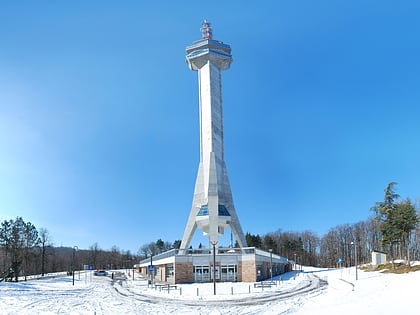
x: 311, y: 285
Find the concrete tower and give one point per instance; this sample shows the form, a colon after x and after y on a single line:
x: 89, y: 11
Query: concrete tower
x: 212, y: 208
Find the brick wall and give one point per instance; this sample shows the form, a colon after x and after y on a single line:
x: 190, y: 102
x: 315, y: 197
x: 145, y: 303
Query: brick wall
x: 247, y: 271
x: 183, y: 272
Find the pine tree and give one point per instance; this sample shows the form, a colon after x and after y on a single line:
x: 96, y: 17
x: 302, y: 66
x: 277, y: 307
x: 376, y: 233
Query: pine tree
x: 404, y: 220
x: 397, y: 220
x: 18, y: 238
x: 384, y: 213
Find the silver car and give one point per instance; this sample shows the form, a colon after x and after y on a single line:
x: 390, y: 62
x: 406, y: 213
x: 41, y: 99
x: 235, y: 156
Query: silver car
x: 100, y: 272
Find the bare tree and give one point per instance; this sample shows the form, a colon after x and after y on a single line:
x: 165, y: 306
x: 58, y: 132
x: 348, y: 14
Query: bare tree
x: 45, y: 242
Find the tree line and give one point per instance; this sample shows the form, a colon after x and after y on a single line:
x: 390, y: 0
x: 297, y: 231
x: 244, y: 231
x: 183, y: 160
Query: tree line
x: 393, y: 229
x: 24, y: 251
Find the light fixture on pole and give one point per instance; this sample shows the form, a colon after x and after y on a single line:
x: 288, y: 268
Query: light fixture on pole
x: 355, y: 256
x: 214, y: 243
x: 271, y: 264
x: 73, y: 261
x: 152, y: 269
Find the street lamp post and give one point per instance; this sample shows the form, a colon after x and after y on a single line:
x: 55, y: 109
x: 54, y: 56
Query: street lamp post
x: 152, y: 271
x: 271, y: 264
x: 295, y: 261
x: 214, y: 243
x: 73, y: 261
x: 355, y: 256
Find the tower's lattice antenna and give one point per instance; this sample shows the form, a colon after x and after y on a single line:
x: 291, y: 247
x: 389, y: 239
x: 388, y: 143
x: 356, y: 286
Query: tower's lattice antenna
x: 206, y: 30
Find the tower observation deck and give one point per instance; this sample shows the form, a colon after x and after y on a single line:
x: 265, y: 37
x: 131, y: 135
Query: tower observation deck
x: 212, y: 208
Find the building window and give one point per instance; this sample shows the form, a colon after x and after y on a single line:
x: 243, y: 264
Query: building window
x: 169, y: 271
x: 201, y: 273
x: 229, y: 273
x: 259, y: 269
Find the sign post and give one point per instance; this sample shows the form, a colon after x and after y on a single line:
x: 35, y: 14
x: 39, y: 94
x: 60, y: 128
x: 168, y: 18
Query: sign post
x: 151, y: 269
x: 340, y: 261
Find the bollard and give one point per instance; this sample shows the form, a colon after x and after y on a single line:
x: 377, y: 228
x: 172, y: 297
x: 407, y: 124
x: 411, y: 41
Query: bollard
x: 197, y: 291
x: 249, y: 289
x: 231, y: 288
x: 168, y: 288
x: 180, y: 291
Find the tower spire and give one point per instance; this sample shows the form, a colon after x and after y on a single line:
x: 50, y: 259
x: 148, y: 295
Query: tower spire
x: 206, y: 30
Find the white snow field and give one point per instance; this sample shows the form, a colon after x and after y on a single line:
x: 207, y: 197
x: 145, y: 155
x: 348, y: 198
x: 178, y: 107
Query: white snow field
x: 305, y: 293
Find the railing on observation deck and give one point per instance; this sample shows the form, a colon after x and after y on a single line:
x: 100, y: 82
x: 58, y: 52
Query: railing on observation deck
x: 208, y: 251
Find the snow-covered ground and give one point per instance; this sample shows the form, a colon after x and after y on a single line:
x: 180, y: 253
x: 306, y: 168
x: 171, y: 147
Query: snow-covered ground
x: 305, y: 293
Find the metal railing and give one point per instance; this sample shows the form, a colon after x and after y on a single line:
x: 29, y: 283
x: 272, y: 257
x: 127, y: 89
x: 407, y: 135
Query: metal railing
x: 208, y: 251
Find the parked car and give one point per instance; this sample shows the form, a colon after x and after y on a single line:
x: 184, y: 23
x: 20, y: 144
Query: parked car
x: 100, y: 272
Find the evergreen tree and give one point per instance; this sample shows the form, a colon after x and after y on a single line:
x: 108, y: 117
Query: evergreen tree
x: 384, y: 213
x: 253, y: 240
x: 177, y: 244
x: 397, y: 220
x: 160, y: 245
x: 404, y: 220
x: 17, y: 238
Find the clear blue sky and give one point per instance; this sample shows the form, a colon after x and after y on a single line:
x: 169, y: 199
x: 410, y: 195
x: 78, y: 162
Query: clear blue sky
x: 99, y: 129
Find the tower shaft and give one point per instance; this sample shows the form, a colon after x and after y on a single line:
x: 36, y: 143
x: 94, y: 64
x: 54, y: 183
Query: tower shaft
x: 212, y: 208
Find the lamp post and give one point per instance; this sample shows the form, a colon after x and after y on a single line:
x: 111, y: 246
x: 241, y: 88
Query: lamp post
x: 271, y: 264
x: 73, y: 260
x: 152, y: 271
x: 214, y: 243
x: 355, y: 256
x: 295, y: 261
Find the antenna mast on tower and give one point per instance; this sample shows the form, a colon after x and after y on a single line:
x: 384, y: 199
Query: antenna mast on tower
x: 206, y: 30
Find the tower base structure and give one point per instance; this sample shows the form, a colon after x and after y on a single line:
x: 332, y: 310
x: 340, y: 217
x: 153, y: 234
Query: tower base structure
x: 212, y: 209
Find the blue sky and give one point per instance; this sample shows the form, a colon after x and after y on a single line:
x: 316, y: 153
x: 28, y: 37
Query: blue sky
x: 99, y: 129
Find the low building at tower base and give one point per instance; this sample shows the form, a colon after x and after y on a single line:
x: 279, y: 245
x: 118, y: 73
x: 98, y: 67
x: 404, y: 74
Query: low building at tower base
x: 248, y: 264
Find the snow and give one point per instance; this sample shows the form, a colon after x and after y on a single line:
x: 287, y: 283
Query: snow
x: 304, y: 293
